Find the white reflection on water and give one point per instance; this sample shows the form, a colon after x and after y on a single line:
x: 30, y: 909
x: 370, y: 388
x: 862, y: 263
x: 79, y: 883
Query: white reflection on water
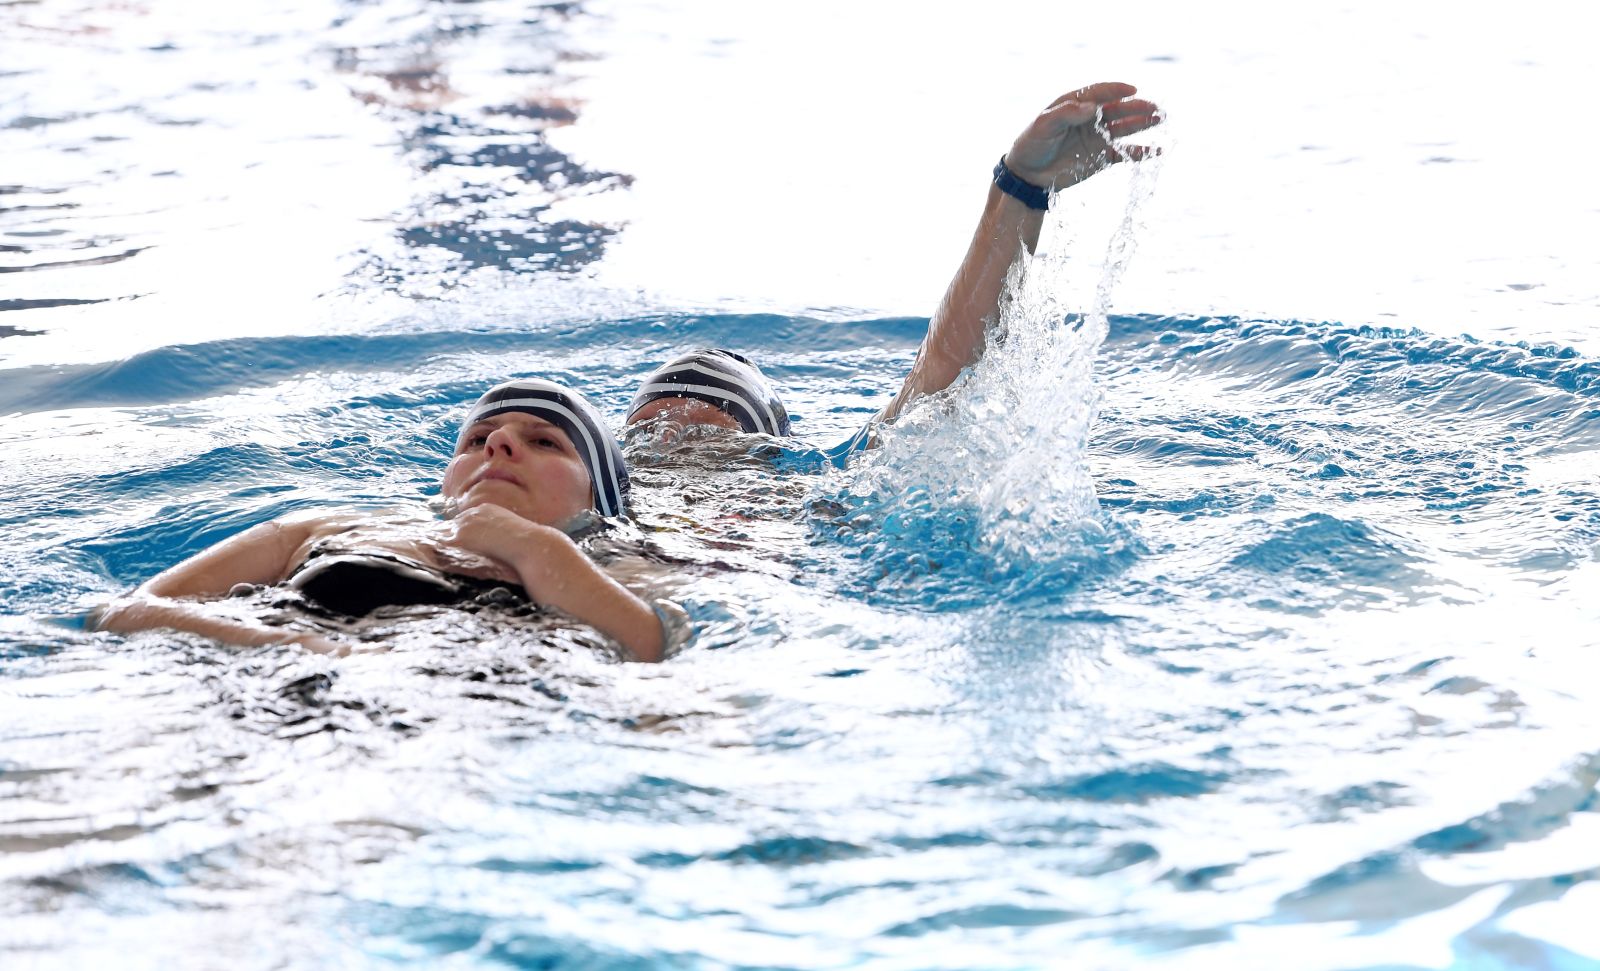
x: 1392, y: 165
x: 210, y: 139
x: 1410, y: 164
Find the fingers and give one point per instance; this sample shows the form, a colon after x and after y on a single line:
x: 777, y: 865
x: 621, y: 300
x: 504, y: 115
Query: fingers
x: 1131, y: 125
x: 1119, y: 117
x: 1073, y: 138
x: 1127, y: 108
x: 1066, y: 114
x: 1095, y: 93
x: 1131, y: 153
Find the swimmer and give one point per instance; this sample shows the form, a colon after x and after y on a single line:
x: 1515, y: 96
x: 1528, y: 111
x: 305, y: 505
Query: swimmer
x: 1071, y: 140
x: 533, y: 460
x: 715, y: 387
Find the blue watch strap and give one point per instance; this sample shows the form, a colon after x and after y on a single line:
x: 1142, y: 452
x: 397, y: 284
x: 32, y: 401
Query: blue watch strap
x: 1026, y: 193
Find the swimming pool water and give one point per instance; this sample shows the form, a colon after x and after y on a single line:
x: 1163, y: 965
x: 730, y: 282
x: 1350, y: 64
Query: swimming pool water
x: 1169, y: 639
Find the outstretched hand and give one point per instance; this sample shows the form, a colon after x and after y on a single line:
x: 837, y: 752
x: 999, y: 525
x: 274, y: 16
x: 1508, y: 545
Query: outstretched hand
x: 1074, y: 137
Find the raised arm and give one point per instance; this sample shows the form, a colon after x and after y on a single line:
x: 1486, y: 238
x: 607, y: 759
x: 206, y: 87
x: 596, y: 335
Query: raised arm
x: 189, y: 596
x: 558, y: 574
x: 1067, y: 143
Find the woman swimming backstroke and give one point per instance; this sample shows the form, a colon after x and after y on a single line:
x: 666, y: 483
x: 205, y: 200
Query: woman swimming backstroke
x: 531, y: 458
x: 1073, y: 138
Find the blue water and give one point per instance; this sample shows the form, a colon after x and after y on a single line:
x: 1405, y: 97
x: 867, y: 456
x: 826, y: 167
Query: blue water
x: 1169, y: 640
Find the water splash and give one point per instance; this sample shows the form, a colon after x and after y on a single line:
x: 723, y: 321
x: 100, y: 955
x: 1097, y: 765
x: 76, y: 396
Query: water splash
x: 997, y: 463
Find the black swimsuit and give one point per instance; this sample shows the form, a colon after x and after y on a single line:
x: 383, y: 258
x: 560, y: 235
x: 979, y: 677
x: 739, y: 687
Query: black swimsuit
x: 355, y: 584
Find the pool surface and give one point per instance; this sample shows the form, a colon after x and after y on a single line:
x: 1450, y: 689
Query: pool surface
x: 1239, y: 609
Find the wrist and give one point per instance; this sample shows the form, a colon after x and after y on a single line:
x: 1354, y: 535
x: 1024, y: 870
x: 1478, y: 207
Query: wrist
x: 544, y: 554
x: 1010, y: 183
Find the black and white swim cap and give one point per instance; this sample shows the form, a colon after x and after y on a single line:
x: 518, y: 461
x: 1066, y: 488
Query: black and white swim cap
x: 571, y: 412
x: 721, y: 378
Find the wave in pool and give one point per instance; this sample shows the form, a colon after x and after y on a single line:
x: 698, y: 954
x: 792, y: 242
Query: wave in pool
x: 1285, y: 666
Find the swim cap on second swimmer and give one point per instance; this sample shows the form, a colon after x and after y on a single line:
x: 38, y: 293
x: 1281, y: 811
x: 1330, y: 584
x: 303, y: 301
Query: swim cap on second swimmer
x: 573, y: 414
x: 721, y: 378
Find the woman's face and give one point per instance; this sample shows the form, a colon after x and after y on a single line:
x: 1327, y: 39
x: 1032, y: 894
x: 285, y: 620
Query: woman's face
x: 523, y: 463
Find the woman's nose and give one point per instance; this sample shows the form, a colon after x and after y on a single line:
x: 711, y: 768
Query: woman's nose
x: 502, y: 441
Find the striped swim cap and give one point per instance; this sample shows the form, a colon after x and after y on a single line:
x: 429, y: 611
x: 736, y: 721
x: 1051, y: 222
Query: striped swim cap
x: 721, y: 378
x: 571, y: 412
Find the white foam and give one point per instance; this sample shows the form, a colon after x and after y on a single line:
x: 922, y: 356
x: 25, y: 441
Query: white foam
x: 1006, y: 443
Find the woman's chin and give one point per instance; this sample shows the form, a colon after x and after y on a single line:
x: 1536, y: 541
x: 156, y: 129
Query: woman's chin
x: 497, y: 492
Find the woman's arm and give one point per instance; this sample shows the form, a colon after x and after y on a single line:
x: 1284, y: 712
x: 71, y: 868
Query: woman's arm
x: 185, y: 596
x: 558, y: 574
x: 1067, y: 143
